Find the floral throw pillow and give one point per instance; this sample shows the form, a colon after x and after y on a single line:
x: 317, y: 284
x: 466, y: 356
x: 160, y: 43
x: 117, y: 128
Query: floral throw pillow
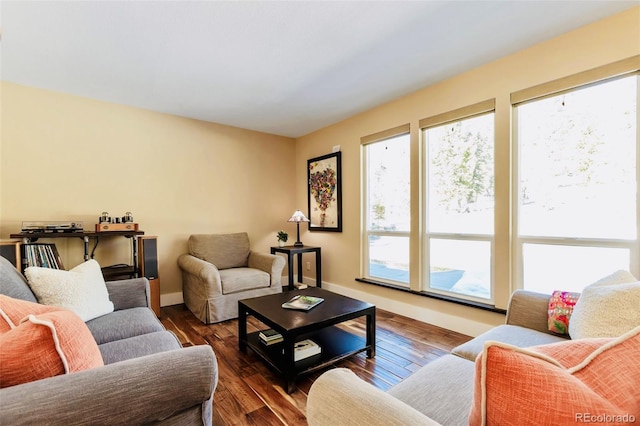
x: 561, y: 306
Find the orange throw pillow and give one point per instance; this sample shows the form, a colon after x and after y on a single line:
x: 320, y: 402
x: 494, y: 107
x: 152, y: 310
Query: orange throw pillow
x: 580, y: 381
x: 43, y: 344
x: 13, y: 310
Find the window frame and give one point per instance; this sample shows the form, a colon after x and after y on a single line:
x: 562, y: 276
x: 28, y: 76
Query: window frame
x: 379, y: 137
x: 471, y: 111
x: 601, y: 75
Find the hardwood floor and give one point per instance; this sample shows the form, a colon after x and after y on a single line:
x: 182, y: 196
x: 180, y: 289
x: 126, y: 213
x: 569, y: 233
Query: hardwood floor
x: 249, y: 393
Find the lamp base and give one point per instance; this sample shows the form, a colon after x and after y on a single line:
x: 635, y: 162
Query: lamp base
x: 298, y: 244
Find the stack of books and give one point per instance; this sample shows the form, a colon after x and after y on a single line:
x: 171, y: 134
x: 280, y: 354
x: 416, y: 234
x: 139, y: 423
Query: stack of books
x: 270, y: 336
x: 305, y: 349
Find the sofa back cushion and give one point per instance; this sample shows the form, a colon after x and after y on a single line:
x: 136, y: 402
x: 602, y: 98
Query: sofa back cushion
x: 222, y: 250
x: 609, y: 307
x: 45, y: 342
x: 13, y: 283
x: 562, y: 383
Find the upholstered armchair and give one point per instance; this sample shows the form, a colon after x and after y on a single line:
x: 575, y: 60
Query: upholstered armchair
x: 221, y: 269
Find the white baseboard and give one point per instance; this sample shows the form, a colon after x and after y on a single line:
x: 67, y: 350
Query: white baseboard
x: 171, y: 299
x: 451, y: 322
x: 456, y: 323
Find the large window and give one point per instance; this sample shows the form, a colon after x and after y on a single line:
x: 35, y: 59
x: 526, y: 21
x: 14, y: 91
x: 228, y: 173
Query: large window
x: 387, y: 206
x: 577, y: 180
x: 541, y: 193
x: 459, y: 164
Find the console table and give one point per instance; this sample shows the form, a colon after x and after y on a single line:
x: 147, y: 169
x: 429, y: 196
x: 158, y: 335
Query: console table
x: 290, y: 251
x: 132, y: 270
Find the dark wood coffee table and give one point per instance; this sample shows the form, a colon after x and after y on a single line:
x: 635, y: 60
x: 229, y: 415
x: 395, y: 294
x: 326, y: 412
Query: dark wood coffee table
x: 318, y: 324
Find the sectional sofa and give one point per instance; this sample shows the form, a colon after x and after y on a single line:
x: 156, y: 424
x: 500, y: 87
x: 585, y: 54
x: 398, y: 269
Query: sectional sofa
x: 518, y: 373
x: 147, y: 377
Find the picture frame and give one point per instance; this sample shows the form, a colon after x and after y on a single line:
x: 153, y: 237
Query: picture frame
x: 324, y: 192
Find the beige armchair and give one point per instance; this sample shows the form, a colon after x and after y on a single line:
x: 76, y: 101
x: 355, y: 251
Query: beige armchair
x: 220, y: 269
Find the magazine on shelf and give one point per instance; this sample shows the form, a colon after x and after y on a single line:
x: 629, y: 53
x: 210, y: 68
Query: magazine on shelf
x: 302, y: 302
x: 305, y: 349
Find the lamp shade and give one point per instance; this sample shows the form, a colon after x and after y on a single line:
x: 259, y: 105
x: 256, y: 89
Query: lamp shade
x: 298, y: 216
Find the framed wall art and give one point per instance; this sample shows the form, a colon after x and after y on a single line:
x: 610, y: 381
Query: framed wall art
x: 324, y: 178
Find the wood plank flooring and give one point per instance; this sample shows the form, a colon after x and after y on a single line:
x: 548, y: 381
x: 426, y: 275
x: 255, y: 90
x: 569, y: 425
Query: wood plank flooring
x: 250, y: 393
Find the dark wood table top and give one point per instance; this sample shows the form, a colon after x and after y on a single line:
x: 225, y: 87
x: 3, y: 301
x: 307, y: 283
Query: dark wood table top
x: 334, y: 309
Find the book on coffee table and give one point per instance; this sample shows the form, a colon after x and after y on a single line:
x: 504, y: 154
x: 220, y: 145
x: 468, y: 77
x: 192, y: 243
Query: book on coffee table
x: 270, y: 336
x: 305, y: 349
x: 302, y: 302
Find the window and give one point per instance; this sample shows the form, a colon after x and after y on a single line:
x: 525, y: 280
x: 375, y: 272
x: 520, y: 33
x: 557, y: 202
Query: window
x: 459, y: 164
x: 387, y: 206
x: 577, y: 180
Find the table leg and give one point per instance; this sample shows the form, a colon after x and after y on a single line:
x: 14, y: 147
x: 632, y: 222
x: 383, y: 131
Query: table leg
x: 290, y: 270
x: 86, y: 247
x: 291, y: 385
x: 299, y: 267
x: 371, y: 334
x: 242, y: 328
x: 134, y: 244
x: 290, y: 366
x: 318, y: 269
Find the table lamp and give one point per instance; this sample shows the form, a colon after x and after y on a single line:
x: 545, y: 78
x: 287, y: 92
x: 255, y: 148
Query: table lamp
x: 298, y: 217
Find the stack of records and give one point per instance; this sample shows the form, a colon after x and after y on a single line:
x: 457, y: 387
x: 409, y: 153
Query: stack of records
x: 270, y: 336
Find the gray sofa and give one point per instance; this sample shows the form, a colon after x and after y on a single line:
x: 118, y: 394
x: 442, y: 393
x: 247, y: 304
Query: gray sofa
x: 148, y: 378
x: 441, y: 392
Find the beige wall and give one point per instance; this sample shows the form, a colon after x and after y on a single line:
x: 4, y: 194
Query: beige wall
x: 598, y: 44
x: 65, y: 157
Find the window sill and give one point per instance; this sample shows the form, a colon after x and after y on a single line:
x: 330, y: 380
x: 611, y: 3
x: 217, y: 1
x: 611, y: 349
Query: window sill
x: 469, y: 303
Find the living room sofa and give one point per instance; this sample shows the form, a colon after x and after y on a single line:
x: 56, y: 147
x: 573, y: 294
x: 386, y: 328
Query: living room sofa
x: 147, y: 377
x: 442, y: 392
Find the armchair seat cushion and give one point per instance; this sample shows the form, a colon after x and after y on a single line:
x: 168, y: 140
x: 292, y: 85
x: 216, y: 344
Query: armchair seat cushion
x: 236, y: 280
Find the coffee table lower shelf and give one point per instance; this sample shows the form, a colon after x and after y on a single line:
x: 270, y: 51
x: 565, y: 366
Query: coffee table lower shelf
x: 336, y: 345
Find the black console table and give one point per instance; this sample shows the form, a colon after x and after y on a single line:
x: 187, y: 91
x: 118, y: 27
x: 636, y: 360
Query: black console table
x: 132, y: 270
x: 290, y: 251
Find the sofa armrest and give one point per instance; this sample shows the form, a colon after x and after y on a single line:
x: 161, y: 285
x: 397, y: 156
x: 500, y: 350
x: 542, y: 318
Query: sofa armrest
x: 200, y: 275
x: 132, y: 293
x: 339, y: 397
x: 529, y: 309
x: 137, y: 391
x: 270, y: 263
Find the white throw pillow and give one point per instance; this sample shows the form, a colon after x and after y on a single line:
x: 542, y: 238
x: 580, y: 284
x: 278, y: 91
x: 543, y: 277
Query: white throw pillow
x: 609, y: 307
x: 81, y: 290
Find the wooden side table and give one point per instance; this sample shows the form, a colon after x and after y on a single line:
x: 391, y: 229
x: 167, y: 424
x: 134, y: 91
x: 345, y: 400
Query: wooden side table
x: 290, y: 251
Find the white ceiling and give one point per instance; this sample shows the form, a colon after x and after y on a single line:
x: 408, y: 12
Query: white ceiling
x: 287, y: 68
